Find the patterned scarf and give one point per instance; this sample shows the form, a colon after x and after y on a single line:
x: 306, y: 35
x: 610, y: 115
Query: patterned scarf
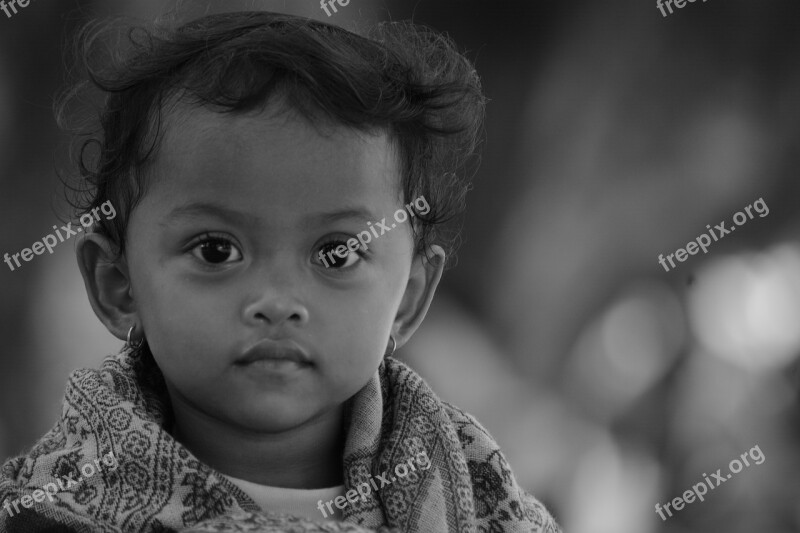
x: 143, y: 480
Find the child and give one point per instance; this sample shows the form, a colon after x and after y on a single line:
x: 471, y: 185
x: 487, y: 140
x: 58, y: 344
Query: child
x: 256, y: 390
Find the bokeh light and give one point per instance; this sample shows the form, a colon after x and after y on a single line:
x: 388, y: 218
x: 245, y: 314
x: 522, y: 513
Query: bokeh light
x: 746, y: 308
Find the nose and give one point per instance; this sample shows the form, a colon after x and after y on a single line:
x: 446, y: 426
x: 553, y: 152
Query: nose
x: 276, y: 303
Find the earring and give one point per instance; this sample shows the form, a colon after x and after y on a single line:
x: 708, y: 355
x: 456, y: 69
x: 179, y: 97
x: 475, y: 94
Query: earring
x: 394, y: 346
x: 128, y: 340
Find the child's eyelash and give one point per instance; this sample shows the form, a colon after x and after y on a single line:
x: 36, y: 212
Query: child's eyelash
x: 208, y: 236
x: 340, y: 241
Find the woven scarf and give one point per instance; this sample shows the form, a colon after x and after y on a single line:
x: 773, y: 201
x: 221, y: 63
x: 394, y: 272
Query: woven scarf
x: 140, y: 479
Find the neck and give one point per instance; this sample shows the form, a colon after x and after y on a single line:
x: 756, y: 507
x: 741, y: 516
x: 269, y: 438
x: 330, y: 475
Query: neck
x: 305, y: 457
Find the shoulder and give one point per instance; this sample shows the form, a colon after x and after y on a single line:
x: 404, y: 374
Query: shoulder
x: 495, y: 489
x: 500, y: 503
x: 471, y: 434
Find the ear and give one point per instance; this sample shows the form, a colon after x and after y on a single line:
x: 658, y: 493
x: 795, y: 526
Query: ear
x: 426, y: 271
x: 107, y: 283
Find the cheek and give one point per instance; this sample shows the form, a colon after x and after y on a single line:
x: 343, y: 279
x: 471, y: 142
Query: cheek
x: 184, y: 331
x: 353, y: 370
x: 170, y: 300
x: 365, y: 317
x: 355, y: 342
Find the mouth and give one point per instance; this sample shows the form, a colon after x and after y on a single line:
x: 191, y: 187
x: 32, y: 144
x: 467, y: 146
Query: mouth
x: 274, y: 353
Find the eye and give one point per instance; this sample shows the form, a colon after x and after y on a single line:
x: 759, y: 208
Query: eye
x: 328, y: 257
x: 216, y: 250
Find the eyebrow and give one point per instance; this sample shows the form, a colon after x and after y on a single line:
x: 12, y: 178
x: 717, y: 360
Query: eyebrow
x: 351, y: 213
x: 201, y: 209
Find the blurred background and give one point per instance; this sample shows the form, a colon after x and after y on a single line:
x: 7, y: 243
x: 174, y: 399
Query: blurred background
x: 614, y: 134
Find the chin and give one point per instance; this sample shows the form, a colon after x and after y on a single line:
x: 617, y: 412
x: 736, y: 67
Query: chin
x: 275, y: 419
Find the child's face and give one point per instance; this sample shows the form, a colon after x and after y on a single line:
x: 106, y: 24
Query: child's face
x: 223, y: 255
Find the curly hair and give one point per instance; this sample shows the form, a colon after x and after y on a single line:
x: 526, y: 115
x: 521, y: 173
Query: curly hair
x: 400, y: 78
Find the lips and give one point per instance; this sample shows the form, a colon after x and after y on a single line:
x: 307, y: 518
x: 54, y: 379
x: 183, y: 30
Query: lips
x: 269, y: 350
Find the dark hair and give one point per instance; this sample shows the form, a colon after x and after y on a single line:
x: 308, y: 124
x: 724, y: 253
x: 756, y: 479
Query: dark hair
x: 401, y: 78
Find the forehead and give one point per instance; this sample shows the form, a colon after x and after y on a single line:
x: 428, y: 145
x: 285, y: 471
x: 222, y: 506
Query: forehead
x: 261, y: 162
